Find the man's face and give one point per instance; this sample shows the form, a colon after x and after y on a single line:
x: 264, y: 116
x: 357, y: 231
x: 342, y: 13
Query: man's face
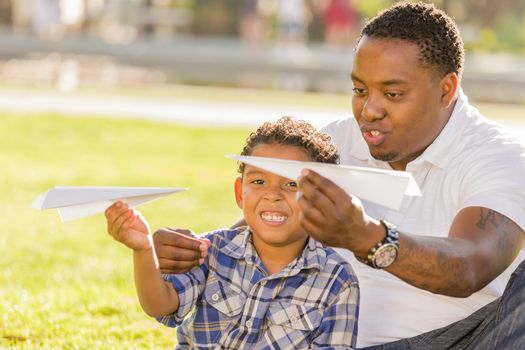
x: 268, y: 200
x: 397, y: 102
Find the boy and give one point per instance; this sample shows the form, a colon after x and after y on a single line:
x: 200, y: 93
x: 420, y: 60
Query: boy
x: 266, y: 285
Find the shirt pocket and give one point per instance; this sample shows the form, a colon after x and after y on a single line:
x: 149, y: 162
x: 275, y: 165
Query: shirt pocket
x: 225, y: 298
x: 294, y: 316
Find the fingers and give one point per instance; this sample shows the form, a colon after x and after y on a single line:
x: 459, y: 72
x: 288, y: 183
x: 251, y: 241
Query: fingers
x: 312, y: 184
x: 178, y: 238
x: 174, y: 266
x: 184, y: 231
x: 178, y: 250
x: 119, y: 218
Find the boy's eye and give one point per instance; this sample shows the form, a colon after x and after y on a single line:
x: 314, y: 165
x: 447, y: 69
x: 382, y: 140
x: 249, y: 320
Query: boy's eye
x: 291, y: 184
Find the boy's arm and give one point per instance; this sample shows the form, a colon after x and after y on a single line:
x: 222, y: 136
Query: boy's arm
x: 127, y: 226
x: 338, y: 328
x: 157, y: 297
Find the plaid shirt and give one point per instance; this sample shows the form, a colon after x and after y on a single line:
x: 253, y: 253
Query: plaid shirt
x: 233, y: 304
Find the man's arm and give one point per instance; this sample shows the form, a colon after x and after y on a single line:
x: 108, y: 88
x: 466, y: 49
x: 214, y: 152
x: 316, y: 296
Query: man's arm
x: 480, y: 245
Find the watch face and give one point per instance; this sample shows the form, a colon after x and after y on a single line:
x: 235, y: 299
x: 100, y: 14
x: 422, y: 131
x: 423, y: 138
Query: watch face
x: 385, y: 255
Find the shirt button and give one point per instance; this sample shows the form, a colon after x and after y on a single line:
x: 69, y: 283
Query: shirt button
x: 293, y: 319
x: 249, y: 324
x: 215, y: 297
x: 263, y: 283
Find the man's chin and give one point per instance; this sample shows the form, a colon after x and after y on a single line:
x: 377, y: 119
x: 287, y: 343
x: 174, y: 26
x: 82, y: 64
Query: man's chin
x: 385, y: 157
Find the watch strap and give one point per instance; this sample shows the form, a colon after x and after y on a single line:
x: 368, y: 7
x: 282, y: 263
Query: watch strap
x: 391, y: 239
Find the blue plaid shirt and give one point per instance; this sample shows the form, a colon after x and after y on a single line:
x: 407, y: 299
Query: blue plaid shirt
x: 230, y: 302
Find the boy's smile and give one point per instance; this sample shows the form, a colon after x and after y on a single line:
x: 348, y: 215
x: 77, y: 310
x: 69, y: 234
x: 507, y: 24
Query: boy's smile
x: 269, y: 204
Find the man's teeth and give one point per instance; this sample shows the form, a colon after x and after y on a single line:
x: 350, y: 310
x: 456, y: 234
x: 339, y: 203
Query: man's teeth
x: 374, y: 133
x: 273, y: 217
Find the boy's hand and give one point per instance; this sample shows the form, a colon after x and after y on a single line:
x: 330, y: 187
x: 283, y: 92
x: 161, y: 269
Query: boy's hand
x: 127, y: 226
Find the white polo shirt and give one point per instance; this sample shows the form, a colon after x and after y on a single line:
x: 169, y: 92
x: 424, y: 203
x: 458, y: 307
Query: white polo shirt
x: 473, y: 162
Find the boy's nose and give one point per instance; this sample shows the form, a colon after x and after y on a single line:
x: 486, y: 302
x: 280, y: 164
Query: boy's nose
x: 274, y: 193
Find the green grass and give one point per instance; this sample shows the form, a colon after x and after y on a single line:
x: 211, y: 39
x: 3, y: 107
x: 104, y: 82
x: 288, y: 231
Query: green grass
x: 68, y: 285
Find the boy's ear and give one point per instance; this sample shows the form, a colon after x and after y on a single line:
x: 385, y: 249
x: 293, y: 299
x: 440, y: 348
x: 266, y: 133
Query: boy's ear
x: 238, y: 191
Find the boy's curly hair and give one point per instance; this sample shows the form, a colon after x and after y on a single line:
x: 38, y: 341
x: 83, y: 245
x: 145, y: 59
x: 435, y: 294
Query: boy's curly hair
x: 436, y: 34
x: 288, y: 131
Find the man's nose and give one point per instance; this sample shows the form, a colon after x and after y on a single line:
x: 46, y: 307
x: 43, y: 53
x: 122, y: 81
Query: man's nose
x: 373, y: 109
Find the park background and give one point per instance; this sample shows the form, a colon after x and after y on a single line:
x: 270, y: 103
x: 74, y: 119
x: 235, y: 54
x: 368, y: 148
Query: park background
x: 155, y: 93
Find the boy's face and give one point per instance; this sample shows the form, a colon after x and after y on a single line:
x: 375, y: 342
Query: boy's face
x: 268, y: 200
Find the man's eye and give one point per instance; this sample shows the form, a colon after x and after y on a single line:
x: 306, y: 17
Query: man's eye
x: 393, y: 95
x: 291, y: 184
x: 258, y: 182
x: 358, y: 91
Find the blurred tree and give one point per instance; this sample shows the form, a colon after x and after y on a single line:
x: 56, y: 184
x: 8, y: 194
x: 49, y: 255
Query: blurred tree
x: 6, y: 18
x: 215, y: 18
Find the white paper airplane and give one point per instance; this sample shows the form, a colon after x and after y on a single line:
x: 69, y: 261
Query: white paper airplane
x: 384, y: 187
x: 78, y: 202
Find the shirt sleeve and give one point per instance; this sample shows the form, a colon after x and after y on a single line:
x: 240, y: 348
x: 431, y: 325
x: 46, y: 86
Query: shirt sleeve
x: 338, y: 328
x: 189, y: 287
x: 496, y: 182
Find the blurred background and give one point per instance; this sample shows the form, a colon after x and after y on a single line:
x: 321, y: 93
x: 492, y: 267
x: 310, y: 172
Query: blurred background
x: 155, y: 93
x: 295, y: 45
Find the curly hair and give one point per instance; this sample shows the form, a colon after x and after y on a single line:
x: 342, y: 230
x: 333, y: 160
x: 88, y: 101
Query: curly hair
x: 288, y: 131
x: 436, y: 34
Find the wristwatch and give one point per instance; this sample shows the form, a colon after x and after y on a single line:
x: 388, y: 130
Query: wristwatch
x: 384, y: 253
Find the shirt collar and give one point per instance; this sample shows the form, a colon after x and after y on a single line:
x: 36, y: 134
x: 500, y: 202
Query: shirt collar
x: 437, y: 153
x: 313, y: 255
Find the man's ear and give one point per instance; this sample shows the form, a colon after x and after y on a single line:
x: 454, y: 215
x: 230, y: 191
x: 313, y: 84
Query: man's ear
x: 449, y: 88
x: 238, y: 191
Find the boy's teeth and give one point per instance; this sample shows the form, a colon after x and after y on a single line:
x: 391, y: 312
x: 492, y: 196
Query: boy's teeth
x: 374, y: 132
x: 273, y: 217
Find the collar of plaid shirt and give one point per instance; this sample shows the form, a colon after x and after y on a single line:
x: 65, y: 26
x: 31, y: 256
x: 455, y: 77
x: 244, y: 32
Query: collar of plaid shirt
x: 312, y: 257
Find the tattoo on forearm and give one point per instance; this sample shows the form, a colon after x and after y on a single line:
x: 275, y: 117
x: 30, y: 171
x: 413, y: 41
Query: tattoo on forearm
x: 491, y: 216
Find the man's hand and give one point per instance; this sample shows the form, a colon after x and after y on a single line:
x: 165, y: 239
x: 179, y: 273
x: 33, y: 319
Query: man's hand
x: 179, y: 250
x: 127, y: 226
x: 335, y: 218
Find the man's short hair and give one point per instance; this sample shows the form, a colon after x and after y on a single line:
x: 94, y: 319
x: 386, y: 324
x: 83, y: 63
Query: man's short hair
x: 288, y: 131
x: 436, y: 34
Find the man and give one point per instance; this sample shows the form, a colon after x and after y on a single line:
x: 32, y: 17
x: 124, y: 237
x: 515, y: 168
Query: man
x: 448, y: 253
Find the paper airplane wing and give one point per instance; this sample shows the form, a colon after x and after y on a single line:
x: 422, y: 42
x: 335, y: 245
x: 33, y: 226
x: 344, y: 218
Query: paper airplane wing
x: 77, y: 202
x: 384, y: 187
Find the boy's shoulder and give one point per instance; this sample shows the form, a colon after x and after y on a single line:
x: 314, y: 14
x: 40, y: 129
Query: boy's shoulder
x: 224, y: 236
x: 334, y: 263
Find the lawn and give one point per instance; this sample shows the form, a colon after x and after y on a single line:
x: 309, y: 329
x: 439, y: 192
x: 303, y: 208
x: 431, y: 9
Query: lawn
x: 68, y: 285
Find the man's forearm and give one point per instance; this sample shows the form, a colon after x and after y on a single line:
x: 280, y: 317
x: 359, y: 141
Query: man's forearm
x: 481, y: 244
x: 157, y: 297
x: 438, y: 265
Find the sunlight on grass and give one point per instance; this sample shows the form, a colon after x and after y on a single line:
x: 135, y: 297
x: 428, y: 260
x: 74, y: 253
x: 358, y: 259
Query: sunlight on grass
x: 68, y: 285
